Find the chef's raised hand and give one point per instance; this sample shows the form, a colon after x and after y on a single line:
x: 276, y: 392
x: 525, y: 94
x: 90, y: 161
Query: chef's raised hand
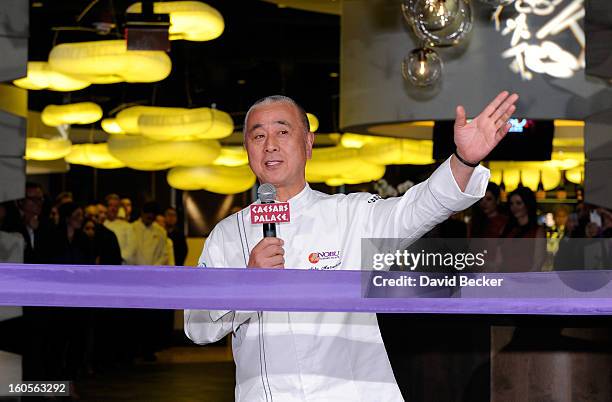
x: 268, y: 253
x: 476, y: 139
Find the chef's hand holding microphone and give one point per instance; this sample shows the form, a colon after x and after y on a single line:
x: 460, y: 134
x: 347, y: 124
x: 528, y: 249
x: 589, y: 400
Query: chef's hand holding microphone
x: 269, y: 252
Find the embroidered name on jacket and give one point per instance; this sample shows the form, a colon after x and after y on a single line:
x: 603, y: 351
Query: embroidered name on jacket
x: 324, y: 260
x: 374, y: 198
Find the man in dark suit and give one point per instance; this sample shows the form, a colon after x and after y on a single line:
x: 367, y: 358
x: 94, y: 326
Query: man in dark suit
x: 32, y: 225
x: 175, y: 234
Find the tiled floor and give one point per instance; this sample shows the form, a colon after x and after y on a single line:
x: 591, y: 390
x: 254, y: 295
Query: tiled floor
x: 209, y: 377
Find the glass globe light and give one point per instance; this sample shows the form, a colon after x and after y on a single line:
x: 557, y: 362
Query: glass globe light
x: 422, y: 67
x: 435, y: 14
x: 455, y: 31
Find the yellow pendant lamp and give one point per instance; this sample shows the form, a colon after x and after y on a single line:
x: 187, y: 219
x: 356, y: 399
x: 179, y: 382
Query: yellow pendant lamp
x: 189, y: 20
x: 200, y: 123
x: 313, y: 122
x: 41, y: 76
x: 390, y: 151
x: 398, y: 151
x: 362, y: 158
x: 108, y: 61
x: 343, y: 164
x: 366, y: 172
x: 575, y: 175
x: 550, y: 178
x: 350, y: 140
x: 44, y: 149
x: 232, y: 156
x: 566, y: 160
x: 570, y: 162
x: 168, y: 124
x: 127, y: 119
x: 330, y: 162
x: 74, y: 113
x: 217, y: 179
x: 528, y: 172
x: 94, y: 155
x: 111, y: 126
x: 142, y: 153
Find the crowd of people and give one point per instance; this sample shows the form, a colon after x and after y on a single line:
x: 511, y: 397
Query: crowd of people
x: 66, y: 343
x: 61, y: 343
x: 529, y: 245
x: 99, y: 233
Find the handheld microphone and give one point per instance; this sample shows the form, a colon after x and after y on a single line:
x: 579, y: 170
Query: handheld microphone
x: 267, y: 195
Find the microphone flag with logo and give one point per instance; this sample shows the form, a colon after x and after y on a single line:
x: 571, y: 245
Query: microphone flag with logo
x: 269, y: 212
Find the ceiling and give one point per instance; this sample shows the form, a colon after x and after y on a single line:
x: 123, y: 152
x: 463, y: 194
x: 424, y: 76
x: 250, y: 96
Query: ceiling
x: 264, y: 50
x: 320, y: 6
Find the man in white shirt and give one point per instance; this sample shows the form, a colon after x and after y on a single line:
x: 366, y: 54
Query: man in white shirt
x: 121, y: 228
x: 151, y: 248
x: 150, y: 239
x: 294, y: 356
x: 161, y: 221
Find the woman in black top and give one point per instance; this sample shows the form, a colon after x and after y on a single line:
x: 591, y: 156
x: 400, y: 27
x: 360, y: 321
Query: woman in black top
x: 69, y: 244
x: 527, y: 249
x: 70, y: 338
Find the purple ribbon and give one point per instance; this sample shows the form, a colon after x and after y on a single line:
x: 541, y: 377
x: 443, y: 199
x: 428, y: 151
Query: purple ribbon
x: 551, y: 293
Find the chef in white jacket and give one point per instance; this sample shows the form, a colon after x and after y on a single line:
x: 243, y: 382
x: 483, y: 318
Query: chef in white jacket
x: 293, y: 356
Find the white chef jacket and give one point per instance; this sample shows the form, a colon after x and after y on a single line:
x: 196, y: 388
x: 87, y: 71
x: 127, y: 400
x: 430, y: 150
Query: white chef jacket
x: 169, y: 252
x: 12, y: 246
x: 294, y: 356
x: 150, y: 244
x: 123, y: 232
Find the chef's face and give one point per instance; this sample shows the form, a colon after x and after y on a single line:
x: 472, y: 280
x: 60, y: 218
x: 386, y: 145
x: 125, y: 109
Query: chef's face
x: 278, y: 145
